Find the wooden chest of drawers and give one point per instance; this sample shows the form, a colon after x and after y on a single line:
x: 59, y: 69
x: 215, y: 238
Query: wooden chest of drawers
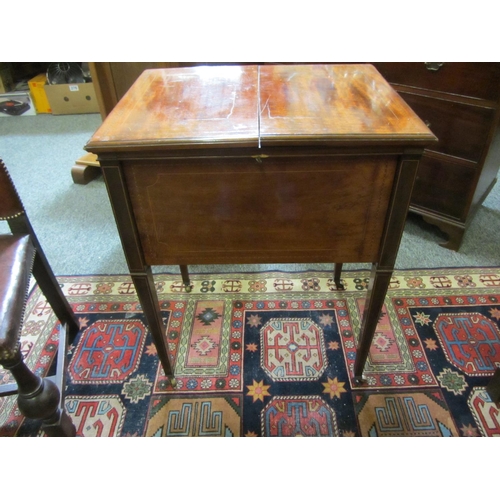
x: 460, y: 102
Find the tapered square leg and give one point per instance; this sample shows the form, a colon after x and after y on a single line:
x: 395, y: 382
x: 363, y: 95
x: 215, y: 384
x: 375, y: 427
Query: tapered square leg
x: 336, y: 276
x: 382, y: 271
x: 185, y: 278
x: 377, y: 289
x: 148, y: 298
x: 140, y: 272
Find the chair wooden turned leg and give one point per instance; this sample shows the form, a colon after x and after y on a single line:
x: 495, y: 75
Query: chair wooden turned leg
x: 39, y: 398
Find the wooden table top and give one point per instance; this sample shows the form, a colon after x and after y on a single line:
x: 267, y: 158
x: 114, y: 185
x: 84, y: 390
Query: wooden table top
x: 254, y: 106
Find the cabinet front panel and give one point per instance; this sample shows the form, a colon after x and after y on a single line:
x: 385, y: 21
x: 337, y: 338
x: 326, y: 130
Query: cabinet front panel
x: 443, y: 187
x: 462, y: 130
x: 220, y: 211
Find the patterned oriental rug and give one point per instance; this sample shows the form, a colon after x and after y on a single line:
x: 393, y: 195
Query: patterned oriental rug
x: 271, y: 354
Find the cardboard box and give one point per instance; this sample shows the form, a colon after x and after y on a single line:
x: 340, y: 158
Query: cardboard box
x: 15, y: 104
x: 71, y: 99
x: 38, y: 94
x: 6, y: 79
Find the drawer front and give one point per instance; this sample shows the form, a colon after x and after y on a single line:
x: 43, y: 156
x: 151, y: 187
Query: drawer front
x: 443, y: 187
x: 462, y: 130
x: 479, y: 80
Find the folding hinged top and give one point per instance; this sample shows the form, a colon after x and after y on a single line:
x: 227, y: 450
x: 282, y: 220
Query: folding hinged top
x: 254, y: 106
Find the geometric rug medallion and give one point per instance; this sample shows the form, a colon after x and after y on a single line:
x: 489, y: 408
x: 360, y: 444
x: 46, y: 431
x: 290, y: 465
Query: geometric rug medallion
x: 272, y: 354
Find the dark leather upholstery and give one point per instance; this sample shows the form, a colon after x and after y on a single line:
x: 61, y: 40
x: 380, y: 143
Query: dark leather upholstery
x: 10, y: 203
x: 16, y: 260
x: 21, y: 256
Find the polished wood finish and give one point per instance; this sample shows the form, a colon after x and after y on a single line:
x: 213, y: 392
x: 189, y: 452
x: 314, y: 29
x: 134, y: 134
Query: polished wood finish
x: 113, y: 79
x: 383, y: 268
x: 460, y: 127
x: 39, y: 398
x: 250, y: 164
x: 443, y: 184
x: 174, y: 108
x: 140, y: 270
x: 478, y: 80
x: 460, y: 102
x: 230, y: 114
x: 339, y: 216
x: 332, y: 103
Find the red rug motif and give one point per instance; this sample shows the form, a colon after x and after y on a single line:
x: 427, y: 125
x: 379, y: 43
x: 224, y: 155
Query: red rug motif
x: 272, y: 354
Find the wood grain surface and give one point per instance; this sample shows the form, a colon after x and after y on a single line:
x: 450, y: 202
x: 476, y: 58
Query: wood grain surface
x: 239, y: 211
x: 341, y: 103
x: 179, y: 106
x: 253, y: 106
